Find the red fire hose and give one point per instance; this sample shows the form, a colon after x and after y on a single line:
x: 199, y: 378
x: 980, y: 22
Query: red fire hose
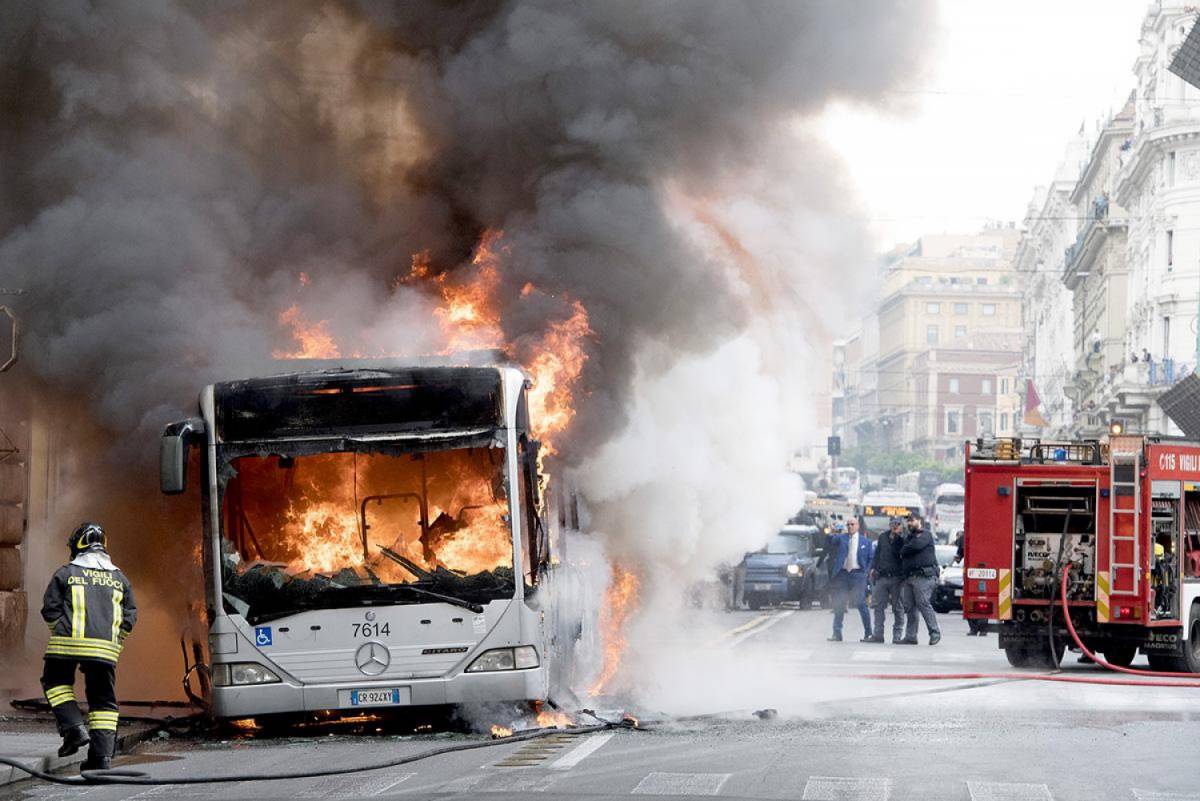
x: 1057, y: 677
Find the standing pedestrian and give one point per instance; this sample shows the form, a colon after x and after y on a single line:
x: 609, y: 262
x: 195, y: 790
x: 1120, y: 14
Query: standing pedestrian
x: 887, y: 580
x: 918, y: 561
x: 89, y: 608
x: 852, y: 554
x: 976, y: 627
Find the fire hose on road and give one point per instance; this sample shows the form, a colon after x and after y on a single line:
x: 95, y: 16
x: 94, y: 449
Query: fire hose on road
x: 1183, y: 679
x: 134, y: 777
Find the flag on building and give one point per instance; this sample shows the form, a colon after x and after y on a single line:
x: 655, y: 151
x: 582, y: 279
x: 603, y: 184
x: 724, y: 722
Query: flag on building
x: 1033, y: 402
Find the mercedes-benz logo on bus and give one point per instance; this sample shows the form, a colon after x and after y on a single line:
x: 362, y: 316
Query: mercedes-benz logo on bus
x: 372, y: 658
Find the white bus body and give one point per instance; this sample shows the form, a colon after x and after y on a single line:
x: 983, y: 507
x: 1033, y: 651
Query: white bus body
x: 361, y: 629
x: 949, y: 504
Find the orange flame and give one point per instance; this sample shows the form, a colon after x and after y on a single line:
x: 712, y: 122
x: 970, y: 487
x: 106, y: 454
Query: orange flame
x: 552, y: 718
x: 500, y: 732
x: 314, y: 340
x: 555, y: 368
x: 619, y: 603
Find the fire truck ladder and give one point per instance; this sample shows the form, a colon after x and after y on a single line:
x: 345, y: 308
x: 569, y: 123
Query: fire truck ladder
x: 1124, y: 521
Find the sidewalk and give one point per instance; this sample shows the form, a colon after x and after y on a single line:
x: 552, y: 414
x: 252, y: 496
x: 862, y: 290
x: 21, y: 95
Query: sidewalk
x: 31, y: 739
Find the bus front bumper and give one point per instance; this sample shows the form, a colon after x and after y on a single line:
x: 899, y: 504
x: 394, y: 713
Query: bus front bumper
x: 464, y: 688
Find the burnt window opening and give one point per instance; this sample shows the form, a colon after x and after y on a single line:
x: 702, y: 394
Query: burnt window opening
x: 333, y: 529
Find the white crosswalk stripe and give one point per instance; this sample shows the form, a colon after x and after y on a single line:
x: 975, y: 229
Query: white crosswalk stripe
x: 846, y: 788
x: 680, y: 784
x: 1008, y: 791
x: 1155, y: 795
x: 345, y: 787
x: 500, y: 782
x: 582, y: 751
x: 872, y: 656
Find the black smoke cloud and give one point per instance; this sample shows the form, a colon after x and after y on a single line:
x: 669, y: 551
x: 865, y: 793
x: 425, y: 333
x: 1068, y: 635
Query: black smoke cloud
x: 167, y: 169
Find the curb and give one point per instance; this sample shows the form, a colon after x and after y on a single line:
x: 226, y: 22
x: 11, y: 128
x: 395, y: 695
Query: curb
x: 52, y: 762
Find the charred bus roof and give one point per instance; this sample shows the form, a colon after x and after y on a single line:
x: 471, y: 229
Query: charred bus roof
x: 360, y: 401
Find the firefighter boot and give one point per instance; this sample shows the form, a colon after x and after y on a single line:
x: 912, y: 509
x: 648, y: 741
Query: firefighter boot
x: 100, y: 752
x: 74, y: 738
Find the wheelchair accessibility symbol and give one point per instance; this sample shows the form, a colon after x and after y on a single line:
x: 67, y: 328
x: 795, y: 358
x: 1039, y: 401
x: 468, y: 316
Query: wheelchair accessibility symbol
x: 262, y: 636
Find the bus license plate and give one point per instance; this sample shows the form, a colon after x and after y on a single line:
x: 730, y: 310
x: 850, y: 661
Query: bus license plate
x: 761, y: 587
x: 388, y: 696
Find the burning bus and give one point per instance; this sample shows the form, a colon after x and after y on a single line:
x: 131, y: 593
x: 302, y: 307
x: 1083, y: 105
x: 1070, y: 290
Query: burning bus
x: 372, y: 537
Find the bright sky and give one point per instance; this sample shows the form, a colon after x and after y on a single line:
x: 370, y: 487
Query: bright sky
x: 1009, y: 86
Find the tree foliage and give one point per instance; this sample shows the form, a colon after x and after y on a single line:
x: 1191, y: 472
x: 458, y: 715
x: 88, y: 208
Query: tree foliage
x: 892, y: 462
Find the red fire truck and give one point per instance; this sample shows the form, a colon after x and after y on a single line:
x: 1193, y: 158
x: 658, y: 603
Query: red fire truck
x: 1124, y: 513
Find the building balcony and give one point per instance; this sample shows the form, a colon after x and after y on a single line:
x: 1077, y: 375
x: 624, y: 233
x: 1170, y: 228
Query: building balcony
x: 1080, y: 254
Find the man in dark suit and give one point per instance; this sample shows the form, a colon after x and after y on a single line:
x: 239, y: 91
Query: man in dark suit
x: 852, y: 554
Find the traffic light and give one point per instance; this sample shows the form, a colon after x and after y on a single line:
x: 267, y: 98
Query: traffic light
x: 833, y: 446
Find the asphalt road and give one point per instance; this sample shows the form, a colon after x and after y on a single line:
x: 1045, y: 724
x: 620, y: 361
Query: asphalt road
x: 836, y: 735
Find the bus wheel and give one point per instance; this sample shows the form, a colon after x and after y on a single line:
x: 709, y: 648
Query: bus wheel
x: 1017, y: 655
x: 754, y: 602
x: 1120, y: 655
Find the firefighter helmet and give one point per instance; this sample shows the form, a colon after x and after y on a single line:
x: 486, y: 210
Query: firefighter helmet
x: 87, y: 537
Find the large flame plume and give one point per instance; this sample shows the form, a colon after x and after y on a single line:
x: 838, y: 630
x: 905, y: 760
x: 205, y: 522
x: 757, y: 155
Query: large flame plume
x: 620, y: 602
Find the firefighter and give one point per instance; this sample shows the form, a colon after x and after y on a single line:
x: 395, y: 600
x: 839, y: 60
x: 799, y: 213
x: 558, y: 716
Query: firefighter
x: 90, y: 610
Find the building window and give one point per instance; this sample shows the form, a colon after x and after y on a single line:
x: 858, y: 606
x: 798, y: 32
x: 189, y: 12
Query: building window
x: 1166, y: 337
x: 1171, y: 168
x: 931, y: 335
x: 1003, y: 388
x: 960, y: 332
x: 953, y: 421
x: 981, y: 281
x: 989, y: 310
x: 953, y: 386
x: 985, y: 386
x: 1170, y: 249
x: 960, y: 308
x: 1003, y: 422
x: 986, y: 424
x: 933, y: 308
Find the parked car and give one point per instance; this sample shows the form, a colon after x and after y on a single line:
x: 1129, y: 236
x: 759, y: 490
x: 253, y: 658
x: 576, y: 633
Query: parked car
x: 947, y: 595
x: 787, y: 569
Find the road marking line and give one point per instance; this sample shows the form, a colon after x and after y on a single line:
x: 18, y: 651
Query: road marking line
x: 582, y: 751
x: 1008, y: 791
x: 871, y: 656
x: 793, y: 655
x: 1155, y: 795
x: 680, y: 784
x: 771, y: 621
x: 846, y: 788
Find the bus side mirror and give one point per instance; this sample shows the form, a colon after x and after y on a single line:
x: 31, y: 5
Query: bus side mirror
x: 173, y: 453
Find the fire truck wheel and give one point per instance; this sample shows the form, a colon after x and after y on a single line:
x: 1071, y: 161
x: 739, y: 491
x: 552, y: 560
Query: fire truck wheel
x: 1017, y: 655
x: 1040, y: 655
x: 1120, y: 655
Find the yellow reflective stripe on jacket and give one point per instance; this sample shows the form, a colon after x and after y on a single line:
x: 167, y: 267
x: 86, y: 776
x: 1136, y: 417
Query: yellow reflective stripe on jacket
x: 103, y: 720
x: 62, y: 694
x: 117, y: 597
x: 78, y: 611
x: 83, y: 648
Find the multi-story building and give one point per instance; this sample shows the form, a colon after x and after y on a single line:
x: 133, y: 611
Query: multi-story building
x: 1159, y: 185
x: 950, y: 316
x: 962, y: 394
x: 1046, y: 305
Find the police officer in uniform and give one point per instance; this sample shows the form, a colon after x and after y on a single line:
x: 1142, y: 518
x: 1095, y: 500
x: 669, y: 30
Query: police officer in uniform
x: 90, y: 610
